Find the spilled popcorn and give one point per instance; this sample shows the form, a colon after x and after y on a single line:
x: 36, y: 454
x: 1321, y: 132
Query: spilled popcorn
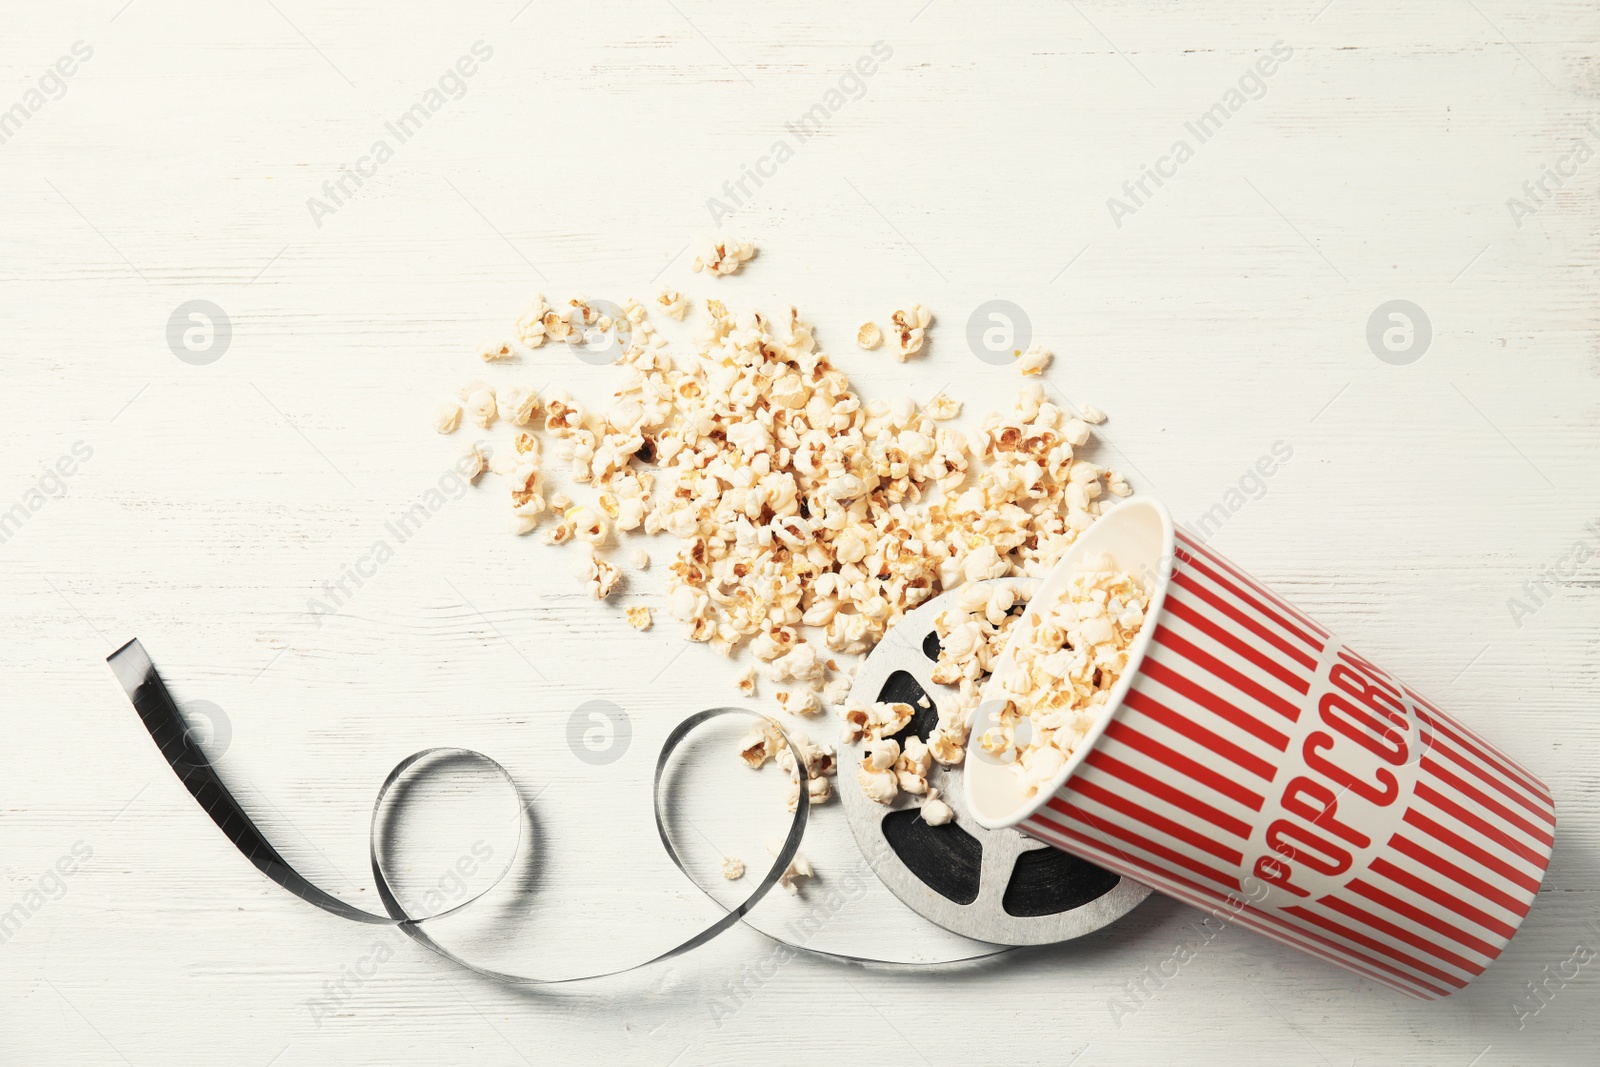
x: 1062, y: 669
x: 803, y: 520
x: 936, y: 812
x: 723, y: 257
x: 1033, y: 361
x: 674, y: 303
x: 819, y: 766
x: 447, y: 416
x: 799, y: 868
x: 910, y: 328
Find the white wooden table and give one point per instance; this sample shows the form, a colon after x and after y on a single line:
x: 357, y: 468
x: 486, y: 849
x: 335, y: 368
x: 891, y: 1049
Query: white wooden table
x: 1217, y: 314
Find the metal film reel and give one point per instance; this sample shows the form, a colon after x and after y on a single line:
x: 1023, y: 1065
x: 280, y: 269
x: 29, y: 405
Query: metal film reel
x: 992, y: 885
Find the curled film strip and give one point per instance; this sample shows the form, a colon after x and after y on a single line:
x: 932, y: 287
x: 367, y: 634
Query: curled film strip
x: 137, y: 674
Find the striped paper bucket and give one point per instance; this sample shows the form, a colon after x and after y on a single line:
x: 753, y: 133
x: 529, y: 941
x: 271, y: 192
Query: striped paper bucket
x: 1253, y: 765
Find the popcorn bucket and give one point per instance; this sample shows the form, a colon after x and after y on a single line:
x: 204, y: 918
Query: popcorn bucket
x: 1253, y: 765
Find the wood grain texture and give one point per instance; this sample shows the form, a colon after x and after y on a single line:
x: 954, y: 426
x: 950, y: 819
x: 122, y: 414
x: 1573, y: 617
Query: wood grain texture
x: 1227, y: 313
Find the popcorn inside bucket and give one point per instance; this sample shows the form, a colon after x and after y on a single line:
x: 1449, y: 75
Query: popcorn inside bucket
x: 1061, y: 675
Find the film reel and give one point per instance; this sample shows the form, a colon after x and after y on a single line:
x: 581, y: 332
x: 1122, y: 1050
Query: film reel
x: 992, y: 885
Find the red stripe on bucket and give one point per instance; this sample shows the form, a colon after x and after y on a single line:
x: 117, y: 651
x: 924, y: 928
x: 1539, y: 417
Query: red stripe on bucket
x: 1289, y: 609
x: 1126, y: 804
x: 1483, y: 826
x: 1293, y: 679
x: 1482, y: 856
x: 1534, y: 806
x: 1400, y: 933
x: 1122, y: 733
x: 1138, y: 840
x: 1423, y: 918
x: 1217, y: 669
x: 1207, y: 899
x: 1481, y: 750
x: 1160, y: 672
x: 1181, y: 799
x: 1377, y: 945
x: 1456, y: 873
x: 1266, y: 633
x: 1445, y: 899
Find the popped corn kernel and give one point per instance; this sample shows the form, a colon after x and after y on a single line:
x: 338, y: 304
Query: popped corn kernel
x: 723, y: 257
x: 1034, y: 361
x: 936, y: 812
x: 473, y: 462
x: 878, y: 783
x: 819, y: 759
x: 482, y: 407
x: 526, y: 514
x: 599, y: 577
x: 799, y: 868
x: 446, y: 417
x: 910, y: 329
x: 820, y: 789
x: 882, y: 754
x: 517, y: 404
x: 798, y: 702
x: 558, y: 325
x: 761, y: 744
x: 673, y: 303
x: 942, y: 408
x: 530, y: 324
x: 587, y: 524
